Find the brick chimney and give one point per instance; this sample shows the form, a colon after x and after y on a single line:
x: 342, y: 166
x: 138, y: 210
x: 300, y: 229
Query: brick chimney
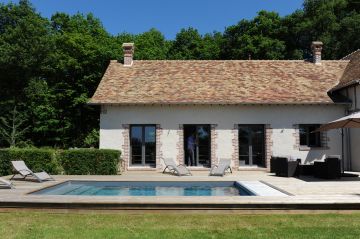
x: 316, y: 47
x: 128, y: 49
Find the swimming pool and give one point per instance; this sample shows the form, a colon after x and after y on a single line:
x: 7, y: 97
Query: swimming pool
x: 137, y: 188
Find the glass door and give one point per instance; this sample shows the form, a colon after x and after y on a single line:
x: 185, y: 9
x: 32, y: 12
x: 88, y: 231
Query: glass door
x: 197, y: 145
x: 143, y: 145
x: 203, y: 145
x: 252, y: 145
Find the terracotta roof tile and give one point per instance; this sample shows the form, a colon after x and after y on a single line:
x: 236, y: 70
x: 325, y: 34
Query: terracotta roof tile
x: 351, y: 72
x: 218, y: 82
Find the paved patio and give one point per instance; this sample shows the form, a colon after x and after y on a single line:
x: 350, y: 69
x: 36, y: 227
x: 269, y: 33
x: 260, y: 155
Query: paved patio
x: 307, y: 193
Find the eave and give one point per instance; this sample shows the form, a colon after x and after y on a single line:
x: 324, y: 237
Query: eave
x: 346, y: 85
x: 216, y: 103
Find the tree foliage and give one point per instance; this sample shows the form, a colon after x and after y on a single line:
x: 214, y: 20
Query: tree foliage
x: 259, y: 38
x: 49, y: 68
x: 12, y: 127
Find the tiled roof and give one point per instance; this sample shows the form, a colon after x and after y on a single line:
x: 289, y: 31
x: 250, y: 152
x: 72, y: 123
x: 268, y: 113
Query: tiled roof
x: 351, y: 55
x: 351, y: 72
x: 219, y: 82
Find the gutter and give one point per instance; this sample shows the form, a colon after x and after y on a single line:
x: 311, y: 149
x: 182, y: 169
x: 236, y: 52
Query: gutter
x: 223, y: 104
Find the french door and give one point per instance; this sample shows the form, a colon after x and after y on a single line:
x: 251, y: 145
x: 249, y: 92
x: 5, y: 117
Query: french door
x: 252, y: 145
x: 200, y: 153
x: 143, y: 145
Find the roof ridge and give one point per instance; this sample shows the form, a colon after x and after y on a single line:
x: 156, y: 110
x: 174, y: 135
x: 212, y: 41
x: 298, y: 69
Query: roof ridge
x: 223, y: 60
x: 341, y: 60
x: 349, y: 55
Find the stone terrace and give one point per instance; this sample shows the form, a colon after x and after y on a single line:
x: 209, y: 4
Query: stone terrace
x: 307, y: 193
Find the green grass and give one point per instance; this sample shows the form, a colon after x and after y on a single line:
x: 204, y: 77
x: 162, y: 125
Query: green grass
x: 90, y: 225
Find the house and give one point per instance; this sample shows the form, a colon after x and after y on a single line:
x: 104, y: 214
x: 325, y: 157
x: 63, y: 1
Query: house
x: 197, y: 111
x: 348, y: 89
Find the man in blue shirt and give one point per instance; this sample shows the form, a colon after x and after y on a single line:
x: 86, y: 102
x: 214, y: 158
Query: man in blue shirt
x: 191, y: 143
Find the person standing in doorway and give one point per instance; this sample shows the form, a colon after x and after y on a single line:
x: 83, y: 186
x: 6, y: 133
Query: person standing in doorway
x: 191, y: 142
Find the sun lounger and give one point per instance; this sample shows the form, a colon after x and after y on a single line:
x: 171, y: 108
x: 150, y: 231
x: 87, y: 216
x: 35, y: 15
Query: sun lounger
x: 221, y: 168
x: 5, y: 183
x: 21, y: 169
x: 179, y: 170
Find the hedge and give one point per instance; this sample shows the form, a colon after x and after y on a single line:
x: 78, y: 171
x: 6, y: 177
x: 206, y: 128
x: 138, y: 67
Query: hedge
x: 73, y: 161
x: 90, y: 161
x: 36, y: 159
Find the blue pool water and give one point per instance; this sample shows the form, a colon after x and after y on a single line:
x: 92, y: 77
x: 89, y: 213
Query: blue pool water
x: 115, y: 188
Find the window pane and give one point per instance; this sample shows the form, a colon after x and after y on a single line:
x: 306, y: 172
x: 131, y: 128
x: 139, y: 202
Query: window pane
x: 251, y: 144
x: 150, y: 133
x: 203, y: 141
x: 150, y: 145
x: 143, y: 145
x: 258, y: 145
x: 308, y: 137
x: 303, y: 135
x: 314, y: 138
x: 136, y: 159
x: 244, y: 142
x: 136, y: 135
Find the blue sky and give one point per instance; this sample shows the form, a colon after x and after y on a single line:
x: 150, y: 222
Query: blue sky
x: 168, y: 16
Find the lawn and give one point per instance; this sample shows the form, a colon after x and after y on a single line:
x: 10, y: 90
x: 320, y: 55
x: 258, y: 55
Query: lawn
x: 90, y: 225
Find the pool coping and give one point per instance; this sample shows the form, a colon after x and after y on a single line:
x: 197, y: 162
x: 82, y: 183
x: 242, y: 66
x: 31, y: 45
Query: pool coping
x: 312, y: 196
x: 95, y: 180
x: 266, y: 189
x: 164, y: 203
x: 178, y: 206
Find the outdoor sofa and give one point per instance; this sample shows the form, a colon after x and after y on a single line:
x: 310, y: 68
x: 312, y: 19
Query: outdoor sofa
x: 329, y: 169
x: 283, y: 166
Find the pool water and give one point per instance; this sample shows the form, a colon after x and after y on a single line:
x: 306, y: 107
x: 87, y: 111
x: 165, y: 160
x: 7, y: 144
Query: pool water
x: 115, y: 188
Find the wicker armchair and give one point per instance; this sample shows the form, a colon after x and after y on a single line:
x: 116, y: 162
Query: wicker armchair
x: 282, y: 167
x: 329, y: 169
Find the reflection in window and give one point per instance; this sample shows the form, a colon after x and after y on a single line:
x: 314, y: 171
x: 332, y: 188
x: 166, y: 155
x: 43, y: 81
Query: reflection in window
x: 308, y: 137
x: 143, y: 145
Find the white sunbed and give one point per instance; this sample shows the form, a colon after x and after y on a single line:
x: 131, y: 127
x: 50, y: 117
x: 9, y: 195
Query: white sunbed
x: 5, y: 183
x: 221, y: 168
x: 179, y: 170
x: 21, y: 169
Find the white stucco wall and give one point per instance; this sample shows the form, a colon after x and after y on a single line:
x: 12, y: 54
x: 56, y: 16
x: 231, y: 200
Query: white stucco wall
x: 353, y: 93
x: 355, y: 149
x: 280, y: 118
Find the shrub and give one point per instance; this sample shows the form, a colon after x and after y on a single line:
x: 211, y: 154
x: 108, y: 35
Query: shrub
x: 90, y: 161
x: 75, y: 161
x: 36, y: 159
x: 92, y: 139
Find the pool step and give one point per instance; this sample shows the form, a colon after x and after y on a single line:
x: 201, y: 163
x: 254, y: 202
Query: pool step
x: 261, y: 189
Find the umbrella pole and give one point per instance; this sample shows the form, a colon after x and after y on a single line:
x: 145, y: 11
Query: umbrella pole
x: 342, y: 150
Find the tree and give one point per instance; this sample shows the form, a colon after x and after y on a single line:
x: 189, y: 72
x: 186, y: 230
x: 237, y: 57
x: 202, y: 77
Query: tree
x: 259, y: 38
x: 348, y: 35
x: 187, y: 45
x: 211, y: 46
x: 151, y: 45
x: 24, y: 47
x: 296, y: 36
x: 43, y: 114
x: 12, y: 129
x: 92, y: 139
x: 82, y: 53
x: 334, y: 22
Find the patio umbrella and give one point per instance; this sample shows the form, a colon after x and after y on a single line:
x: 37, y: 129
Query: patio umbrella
x: 350, y: 121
